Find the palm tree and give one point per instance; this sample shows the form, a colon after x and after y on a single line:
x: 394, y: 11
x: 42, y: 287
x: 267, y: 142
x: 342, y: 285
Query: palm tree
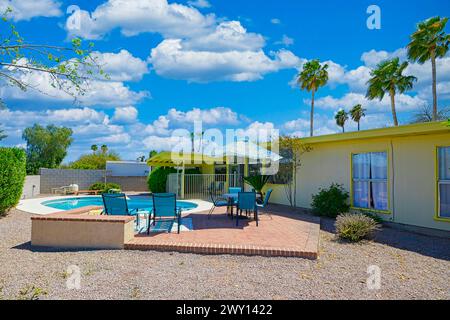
x: 388, y: 78
x: 104, y: 148
x: 94, y: 148
x: 357, y: 112
x: 311, y: 78
x: 341, y: 117
x: 428, y: 43
x: 2, y: 135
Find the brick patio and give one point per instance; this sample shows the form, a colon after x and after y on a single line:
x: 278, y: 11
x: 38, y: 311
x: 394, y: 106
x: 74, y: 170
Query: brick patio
x: 280, y: 233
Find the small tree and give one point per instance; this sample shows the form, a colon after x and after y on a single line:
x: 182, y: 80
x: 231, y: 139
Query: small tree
x: 341, y: 117
x: 296, y: 149
x: 46, y: 146
x: 104, y: 148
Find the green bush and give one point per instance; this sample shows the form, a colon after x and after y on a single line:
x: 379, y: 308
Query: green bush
x: 104, y: 187
x: 158, y: 178
x: 331, y: 202
x: 355, y: 227
x: 12, y: 177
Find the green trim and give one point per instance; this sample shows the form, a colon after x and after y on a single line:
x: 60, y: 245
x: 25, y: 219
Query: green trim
x: 436, y: 166
x: 352, y: 206
x: 406, y: 130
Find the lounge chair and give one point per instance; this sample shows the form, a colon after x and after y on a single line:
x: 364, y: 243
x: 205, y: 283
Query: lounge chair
x: 165, y: 208
x: 247, y: 202
x: 116, y: 205
x: 266, y: 200
x: 217, y: 202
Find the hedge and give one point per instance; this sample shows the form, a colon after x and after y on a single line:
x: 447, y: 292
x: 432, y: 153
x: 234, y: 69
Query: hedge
x: 158, y: 178
x: 12, y: 177
x: 104, y: 187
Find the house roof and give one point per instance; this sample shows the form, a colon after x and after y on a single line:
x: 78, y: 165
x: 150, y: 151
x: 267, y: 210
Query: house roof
x: 172, y: 159
x: 406, y: 130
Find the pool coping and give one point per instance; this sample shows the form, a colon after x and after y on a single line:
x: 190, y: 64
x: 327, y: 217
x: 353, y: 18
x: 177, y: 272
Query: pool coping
x: 35, y: 206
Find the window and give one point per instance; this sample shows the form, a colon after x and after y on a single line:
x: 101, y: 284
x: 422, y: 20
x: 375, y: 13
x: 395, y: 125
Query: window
x: 370, y: 180
x: 444, y: 182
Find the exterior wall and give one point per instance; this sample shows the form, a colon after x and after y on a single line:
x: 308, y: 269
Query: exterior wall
x: 278, y: 195
x: 127, y: 169
x: 130, y: 183
x: 411, y: 170
x: 32, y: 187
x: 81, y: 234
x: 54, y: 178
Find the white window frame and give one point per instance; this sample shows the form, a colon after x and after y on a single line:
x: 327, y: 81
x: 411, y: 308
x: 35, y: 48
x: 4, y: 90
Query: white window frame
x: 439, y: 184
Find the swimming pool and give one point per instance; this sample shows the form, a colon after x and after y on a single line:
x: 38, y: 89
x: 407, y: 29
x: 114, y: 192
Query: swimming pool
x: 141, y: 203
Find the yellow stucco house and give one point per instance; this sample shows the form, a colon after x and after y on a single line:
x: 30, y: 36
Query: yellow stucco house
x: 400, y: 173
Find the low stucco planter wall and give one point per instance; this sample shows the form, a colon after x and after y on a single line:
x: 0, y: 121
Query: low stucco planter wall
x: 79, y: 229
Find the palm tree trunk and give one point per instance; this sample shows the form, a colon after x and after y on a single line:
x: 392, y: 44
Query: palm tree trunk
x: 433, y: 68
x: 358, y: 125
x: 394, y: 113
x: 312, y: 114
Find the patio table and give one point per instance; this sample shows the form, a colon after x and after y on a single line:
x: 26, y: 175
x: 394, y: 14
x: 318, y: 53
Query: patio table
x: 232, y: 197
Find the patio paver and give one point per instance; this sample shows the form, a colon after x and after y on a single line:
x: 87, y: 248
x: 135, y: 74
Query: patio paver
x: 280, y: 233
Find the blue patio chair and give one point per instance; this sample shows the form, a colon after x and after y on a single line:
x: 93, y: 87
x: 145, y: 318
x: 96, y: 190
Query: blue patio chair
x: 247, y: 202
x: 234, y: 190
x: 116, y: 205
x: 266, y: 200
x: 217, y: 202
x: 165, y: 208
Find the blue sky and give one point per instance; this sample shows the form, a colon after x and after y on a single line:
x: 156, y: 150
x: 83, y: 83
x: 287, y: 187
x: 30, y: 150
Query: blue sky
x: 230, y: 63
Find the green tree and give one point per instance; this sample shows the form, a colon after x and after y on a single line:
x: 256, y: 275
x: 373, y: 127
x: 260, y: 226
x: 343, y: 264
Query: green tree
x: 94, y: 148
x: 388, y: 78
x: 69, y: 68
x: 94, y: 161
x: 2, y: 135
x: 311, y: 78
x: 104, y: 148
x: 46, y: 146
x: 357, y: 113
x: 341, y: 118
x: 152, y: 153
x: 429, y: 42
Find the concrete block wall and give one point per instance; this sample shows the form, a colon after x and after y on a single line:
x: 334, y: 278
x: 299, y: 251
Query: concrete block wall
x: 54, y: 178
x: 130, y: 183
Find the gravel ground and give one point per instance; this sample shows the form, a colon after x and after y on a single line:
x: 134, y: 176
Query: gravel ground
x: 412, y: 266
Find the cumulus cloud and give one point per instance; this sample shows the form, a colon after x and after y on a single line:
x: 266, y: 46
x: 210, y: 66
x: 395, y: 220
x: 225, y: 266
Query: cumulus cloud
x: 137, y: 16
x: 404, y: 102
x: 125, y: 115
x: 28, y: 9
x: 219, y: 115
x: 171, y: 60
x: 97, y: 92
x: 121, y: 66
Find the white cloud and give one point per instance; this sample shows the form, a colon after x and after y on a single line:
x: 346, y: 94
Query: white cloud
x: 373, y: 57
x: 403, y: 102
x: 219, y: 115
x: 200, y: 3
x: 171, y: 60
x: 137, y: 16
x: 275, y: 21
x: 285, y: 41
x: 121, y: 66
x: 125, y: 115
x: 28, y: 9
x: 97, y: 92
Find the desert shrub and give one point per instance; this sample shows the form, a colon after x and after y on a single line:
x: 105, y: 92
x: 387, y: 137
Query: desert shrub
x: 158, y: 178
x: 330, y: 202
x: 104, y: 186
x: 12, y: 177
x: 355, y: 227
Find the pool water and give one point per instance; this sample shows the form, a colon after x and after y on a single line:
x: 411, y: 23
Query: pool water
x: 141, y: 203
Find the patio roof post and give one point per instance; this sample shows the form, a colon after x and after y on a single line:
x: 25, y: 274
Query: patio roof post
x: 182, y: 182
